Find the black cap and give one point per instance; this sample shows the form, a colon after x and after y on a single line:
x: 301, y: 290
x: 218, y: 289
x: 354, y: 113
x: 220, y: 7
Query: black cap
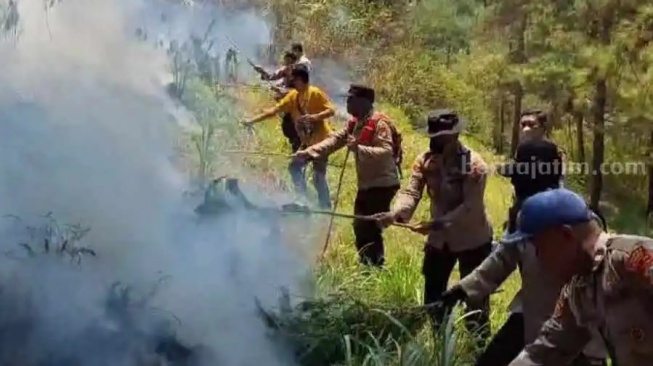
x: 300, y: 70
x: 361, y: 91
x: 444, y: 121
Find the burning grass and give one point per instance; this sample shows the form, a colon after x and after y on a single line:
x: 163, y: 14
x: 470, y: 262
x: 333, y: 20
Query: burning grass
x: 54, y: 239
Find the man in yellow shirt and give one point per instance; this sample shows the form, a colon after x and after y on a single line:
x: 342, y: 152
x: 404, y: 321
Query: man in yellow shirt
x: 309, y: 108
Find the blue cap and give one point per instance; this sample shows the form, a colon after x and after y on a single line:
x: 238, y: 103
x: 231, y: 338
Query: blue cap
x: 555, y: 207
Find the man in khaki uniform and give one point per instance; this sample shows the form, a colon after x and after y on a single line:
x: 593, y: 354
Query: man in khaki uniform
x: 368, y: 136
x: 531, y: 307
x: 455, y: 178
x: 609, y: 283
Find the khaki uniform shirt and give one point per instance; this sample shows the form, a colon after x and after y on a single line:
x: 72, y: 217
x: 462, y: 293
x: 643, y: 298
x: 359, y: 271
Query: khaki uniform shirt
x: 375, y: 165
x: 456, y: 188
x: 281, y: 80
x: 615, y: 299
x: 537, y: 296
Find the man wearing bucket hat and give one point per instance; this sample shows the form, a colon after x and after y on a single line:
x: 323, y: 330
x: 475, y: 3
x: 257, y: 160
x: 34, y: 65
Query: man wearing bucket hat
x: 609, y: 280
x: 455, y: 178
x: 368, y: 135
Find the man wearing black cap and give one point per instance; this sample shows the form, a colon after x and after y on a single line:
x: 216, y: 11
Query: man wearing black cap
x: 609, y: 282
x: 455, y: 178
x: 310, y: 109
x: 368, y: 135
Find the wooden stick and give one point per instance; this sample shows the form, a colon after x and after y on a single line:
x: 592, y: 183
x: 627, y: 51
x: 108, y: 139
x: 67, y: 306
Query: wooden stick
x: 345, y: 216
x: 335, y: 204
x: 263, y: 153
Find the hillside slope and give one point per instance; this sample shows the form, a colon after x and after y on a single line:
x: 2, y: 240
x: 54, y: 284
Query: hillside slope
x: 400, y: 284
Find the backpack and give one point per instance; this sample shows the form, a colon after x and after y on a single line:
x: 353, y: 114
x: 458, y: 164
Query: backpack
x: 397, y: 140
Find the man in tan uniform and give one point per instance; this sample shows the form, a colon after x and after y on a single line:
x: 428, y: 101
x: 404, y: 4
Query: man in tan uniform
x: 531, y: 307
x: 455, y: 178
x: 609, y: 283
x: 368, y: 135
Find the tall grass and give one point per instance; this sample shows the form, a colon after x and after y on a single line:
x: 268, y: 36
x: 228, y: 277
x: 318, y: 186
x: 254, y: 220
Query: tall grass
x: 359, y: 316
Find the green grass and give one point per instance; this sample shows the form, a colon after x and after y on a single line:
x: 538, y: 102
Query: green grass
x: 400, y: 284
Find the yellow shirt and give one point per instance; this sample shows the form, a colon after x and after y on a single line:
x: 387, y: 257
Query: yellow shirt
x: 311, y: 101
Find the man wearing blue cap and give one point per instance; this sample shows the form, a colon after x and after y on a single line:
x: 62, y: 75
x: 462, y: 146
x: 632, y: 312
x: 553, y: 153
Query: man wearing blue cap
x: 609, y: 282
x: 531, y: 306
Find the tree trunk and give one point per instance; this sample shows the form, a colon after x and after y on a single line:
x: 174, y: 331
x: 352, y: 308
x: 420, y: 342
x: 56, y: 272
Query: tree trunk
x: 649, y: 204
x: 498, y: 122
x: 600, y: 102
x: 598, y: 145
x: 518, y: 56
x: 518, y: 94
x: 502, y: 124
x: 580, y: 136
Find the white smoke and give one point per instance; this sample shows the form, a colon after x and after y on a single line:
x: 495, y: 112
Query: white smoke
x: 87, y: 135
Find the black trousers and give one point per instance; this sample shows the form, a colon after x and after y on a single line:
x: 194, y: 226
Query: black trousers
x: 506, y: 344
x: 437, y: 267
x: 513, y: 211
x: 289, y: 130
x: 369, y: 237
x: 509, y: 341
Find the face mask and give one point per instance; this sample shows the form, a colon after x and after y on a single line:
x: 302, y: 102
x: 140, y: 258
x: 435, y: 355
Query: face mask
x: 436, y: 146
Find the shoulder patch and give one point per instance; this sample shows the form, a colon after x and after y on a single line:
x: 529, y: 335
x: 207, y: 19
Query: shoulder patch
x: 557, y: 312
x: 417, y: 166
x: 640, y: 261
x: 420, y: 162
x: 562, y: 305
x: 383, y: 130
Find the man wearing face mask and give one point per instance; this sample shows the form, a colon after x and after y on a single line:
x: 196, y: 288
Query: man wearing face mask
x: 455, y: 179
x: 538, y: 163
x: 369, y: 136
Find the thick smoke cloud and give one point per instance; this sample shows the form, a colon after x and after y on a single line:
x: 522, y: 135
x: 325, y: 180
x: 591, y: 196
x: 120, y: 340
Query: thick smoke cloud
x: 88, y: 135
